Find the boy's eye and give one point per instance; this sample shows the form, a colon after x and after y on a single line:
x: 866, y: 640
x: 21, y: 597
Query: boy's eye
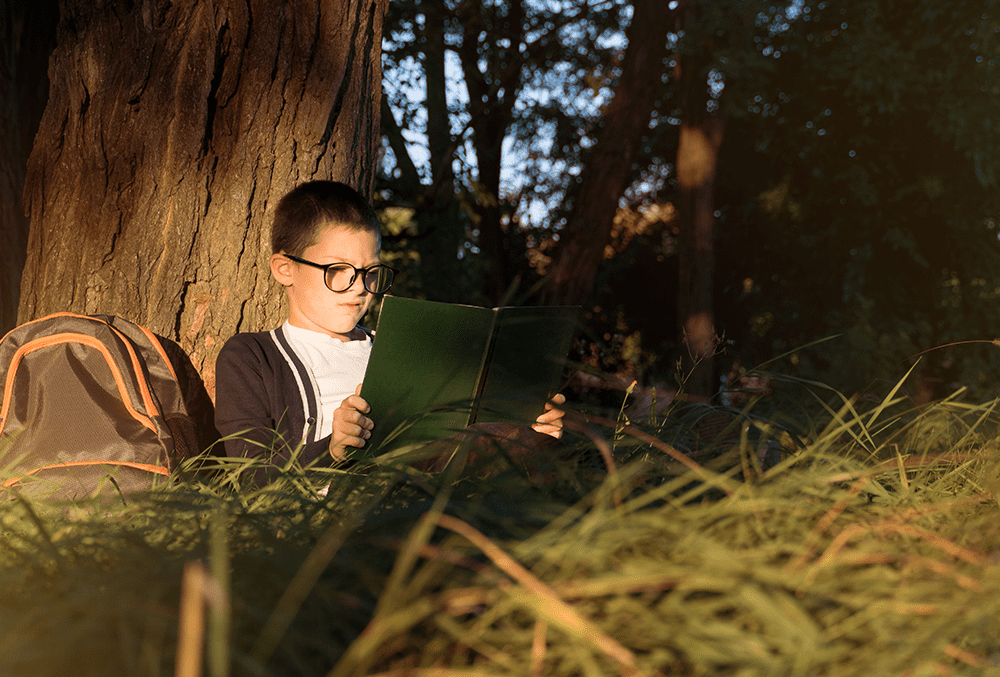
x: 340, y: 276
x: 377, y: 279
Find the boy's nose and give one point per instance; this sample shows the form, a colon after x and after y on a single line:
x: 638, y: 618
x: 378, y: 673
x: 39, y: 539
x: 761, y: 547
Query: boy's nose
x: 358, y: 285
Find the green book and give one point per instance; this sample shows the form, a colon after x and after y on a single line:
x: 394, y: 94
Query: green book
x: 436, y: 368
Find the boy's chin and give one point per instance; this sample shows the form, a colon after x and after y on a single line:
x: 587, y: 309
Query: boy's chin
x: 345, y: 328
x: 341, y: 330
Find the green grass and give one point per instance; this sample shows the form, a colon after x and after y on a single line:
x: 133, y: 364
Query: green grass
x: 872, y: 548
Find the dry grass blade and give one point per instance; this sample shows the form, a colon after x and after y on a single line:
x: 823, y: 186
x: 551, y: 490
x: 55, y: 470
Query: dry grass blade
x: 870, y: 549
x: 554, y: 609
x: 538, y: 647
x: 191, y: 634
x: 305, y: 579
x: 643, y: 436
x: 434, y: 672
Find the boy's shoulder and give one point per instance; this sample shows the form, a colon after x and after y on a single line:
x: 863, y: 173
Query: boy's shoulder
x: 251, y: 342
x: 249, y: 337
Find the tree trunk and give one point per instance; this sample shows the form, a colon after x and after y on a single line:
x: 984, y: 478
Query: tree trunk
x: 26, y: 40
x: 697, y: 157
x: 493, y: 79
x: 609, y: 167
x: 172, y: 130
x: 436, y: 208
x: 438, y: 119
x: 697, y: 160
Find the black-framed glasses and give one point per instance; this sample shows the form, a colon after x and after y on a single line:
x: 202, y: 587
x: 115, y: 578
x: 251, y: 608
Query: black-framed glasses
x: 340, y: 277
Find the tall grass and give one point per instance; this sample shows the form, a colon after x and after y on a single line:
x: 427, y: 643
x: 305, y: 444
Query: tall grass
x: 863, y: 540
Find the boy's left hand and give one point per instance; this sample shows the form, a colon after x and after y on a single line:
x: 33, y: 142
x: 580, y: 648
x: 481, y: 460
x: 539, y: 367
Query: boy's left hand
x: 551, y: 421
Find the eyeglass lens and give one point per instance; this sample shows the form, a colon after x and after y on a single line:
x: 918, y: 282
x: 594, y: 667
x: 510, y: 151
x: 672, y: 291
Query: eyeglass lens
x: 377, y: 279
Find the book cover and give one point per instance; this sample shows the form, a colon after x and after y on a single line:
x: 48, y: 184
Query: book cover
x: 436, y: 368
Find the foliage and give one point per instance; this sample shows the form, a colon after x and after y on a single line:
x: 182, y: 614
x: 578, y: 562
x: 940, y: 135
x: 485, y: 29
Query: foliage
x: 857, y: 189
x: 874, y: 209
x: 867, y: 549
x: 526, y: 80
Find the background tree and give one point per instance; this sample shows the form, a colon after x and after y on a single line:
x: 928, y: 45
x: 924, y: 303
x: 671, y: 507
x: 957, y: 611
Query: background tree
x: 609, y: 168
x: 853, y: 193
x: 869, y: 206
x: 700, y: 135
x: 26, y: 39
x: 170, y: 131
x: 449, y: 137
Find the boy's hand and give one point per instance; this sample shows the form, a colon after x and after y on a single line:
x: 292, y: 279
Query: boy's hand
x: 350, y: 425
x: 551, y: 422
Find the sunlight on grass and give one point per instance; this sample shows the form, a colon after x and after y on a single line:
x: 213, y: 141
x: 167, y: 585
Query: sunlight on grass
x: 861, y: 541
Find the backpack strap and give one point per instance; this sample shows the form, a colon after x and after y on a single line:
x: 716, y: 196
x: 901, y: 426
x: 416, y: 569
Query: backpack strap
x: 156, y: 469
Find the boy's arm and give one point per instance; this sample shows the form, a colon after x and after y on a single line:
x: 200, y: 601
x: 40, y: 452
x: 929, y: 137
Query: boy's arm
x: 247, y: 398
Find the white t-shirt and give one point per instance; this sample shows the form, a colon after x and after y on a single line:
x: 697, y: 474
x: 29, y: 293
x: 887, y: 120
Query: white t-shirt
x: 336, y: 367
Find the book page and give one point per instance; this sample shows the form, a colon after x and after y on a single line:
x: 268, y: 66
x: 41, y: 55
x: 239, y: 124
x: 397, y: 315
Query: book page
x: 526, y: 364
x: 424, y: 368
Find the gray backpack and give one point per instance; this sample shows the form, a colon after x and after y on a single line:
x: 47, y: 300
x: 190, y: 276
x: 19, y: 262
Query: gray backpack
x: 90, y: 403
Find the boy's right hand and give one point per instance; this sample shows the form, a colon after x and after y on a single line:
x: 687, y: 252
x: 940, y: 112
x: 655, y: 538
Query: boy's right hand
x: 350, y: 425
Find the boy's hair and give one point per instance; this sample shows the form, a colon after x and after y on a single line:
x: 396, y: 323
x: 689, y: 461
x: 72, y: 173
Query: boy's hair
x: 310, y: 206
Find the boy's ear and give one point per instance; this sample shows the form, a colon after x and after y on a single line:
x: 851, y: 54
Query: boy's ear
x: 281, y: 269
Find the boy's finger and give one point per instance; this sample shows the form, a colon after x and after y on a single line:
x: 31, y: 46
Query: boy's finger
x: 357, y: 430
x: 357, y: 402
x: 352, y: 442
x: 549, y: 429
x: 355, y: 424
x: 553, y: 404
x: 359, y: 438
x: 339, y: 449
x: 550, y: 416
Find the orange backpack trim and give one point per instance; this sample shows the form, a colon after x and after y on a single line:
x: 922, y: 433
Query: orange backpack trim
x: 135, y: 361
x: 147, y: 397
x: 47, y: 317
x: 157, y: 469
x: 56, y: 339
x: 159, y: 349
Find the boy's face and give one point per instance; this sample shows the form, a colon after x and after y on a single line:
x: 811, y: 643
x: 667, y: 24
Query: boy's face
x: 311, y: 305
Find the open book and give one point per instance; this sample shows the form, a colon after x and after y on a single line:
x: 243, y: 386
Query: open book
x: 436, y: 368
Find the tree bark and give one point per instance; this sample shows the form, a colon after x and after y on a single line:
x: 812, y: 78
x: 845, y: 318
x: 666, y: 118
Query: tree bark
x: 26, y: 40
x: 172, y: 130
x: 609, y: 167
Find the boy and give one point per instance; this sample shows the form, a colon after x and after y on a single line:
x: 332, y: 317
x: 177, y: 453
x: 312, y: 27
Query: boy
x: 301, y: 383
